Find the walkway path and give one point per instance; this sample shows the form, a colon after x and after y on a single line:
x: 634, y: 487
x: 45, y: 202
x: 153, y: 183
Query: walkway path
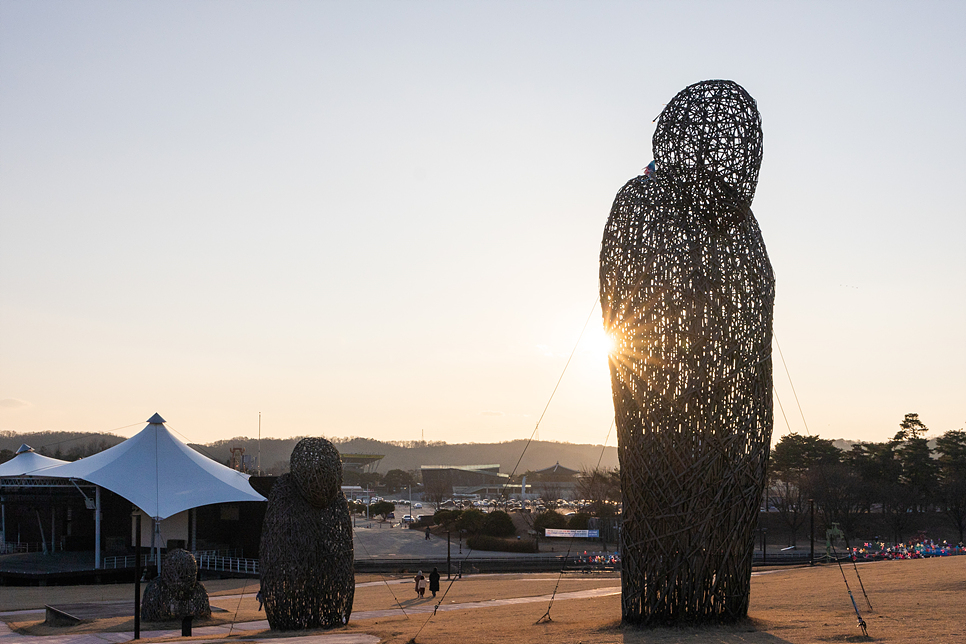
x: 9, y: 637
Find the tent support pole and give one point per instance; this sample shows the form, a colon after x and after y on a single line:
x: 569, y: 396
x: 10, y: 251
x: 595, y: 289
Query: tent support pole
x: 137, y: 576
x: 97, y: 527
x: 157, y: 543
x: 42, y: 537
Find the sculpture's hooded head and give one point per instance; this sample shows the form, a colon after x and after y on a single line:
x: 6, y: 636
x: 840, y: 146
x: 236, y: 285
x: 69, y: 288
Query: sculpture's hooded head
x: 316, y: 468
x: 708, y: 139
x: 180, y: 569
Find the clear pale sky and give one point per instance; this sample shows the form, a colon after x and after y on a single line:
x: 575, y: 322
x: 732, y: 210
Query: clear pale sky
x: 383, y: 218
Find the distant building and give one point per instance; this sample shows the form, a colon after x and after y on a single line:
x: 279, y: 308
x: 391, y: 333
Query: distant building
x: 554, y: 482
x: 360, y: 462
x: 484, y: 481
x: 554, y: 473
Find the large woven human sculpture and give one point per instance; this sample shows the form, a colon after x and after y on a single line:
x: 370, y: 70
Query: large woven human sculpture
x: 687, y: 293
x: 176, y: 593
x: 306, y: 550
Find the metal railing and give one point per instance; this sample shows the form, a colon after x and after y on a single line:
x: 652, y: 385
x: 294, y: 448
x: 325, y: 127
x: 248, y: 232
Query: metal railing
x: 228, y: 564
x: 219, y: 560
x: 23, y: 546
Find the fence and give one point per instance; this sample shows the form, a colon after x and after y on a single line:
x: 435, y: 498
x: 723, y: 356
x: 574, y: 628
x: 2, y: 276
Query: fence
x: 228, y: 564
x: 25, y: 546
x: 217, y: 560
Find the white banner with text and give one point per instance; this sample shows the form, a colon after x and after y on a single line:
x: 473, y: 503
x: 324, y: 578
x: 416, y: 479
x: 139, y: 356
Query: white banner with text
x: 578, y: 534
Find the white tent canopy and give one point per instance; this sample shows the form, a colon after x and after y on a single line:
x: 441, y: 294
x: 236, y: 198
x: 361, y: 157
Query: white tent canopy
x: 27, y: 461
x: 159, y: 473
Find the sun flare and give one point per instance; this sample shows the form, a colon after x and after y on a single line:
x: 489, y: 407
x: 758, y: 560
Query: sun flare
x: 599, y: 342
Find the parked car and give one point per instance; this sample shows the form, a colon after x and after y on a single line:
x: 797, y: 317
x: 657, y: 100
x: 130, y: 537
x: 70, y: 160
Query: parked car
x: 408, y: 518
x: 417, y: 505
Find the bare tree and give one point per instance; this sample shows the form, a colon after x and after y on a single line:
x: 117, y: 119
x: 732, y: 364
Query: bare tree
x: 550, y: 491
x: 788, y: 496
x: 599, y: 486
x: 436, y: 490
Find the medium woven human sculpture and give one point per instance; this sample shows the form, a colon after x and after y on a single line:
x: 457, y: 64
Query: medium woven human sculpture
x: 687, y: 293
x: 176, y: 593
x: 306, y: 550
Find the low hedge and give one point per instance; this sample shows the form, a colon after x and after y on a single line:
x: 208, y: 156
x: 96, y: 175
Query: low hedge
x: 496, y: 544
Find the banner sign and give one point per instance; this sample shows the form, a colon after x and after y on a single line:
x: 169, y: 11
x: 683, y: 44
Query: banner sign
x: 579, y: 534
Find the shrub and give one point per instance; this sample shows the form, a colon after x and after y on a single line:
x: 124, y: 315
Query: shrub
x: 484, y: 542
x: 549, y: 519
x: 446, y: 518
x: 471, y: 520
x: 579, y: 521
x: 498, y: 524
x: 381, y: 508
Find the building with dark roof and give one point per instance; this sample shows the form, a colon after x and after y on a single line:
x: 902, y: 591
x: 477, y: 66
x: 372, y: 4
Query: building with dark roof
x: 447, y: 480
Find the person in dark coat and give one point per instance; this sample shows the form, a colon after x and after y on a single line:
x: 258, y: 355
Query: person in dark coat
x: 434, y: 582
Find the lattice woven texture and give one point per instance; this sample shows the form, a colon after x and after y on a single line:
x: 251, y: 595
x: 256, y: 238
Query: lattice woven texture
x: 687, y: 293
x: 176, y: 593
x: 306, y: 551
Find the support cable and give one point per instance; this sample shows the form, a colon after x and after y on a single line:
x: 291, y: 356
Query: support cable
x: 546, y: 616
x: 519, y: 460
x: 821, y: 470
x: 547, y: 406
x: 77, y: 438
x: 855, y: 607
x: 604, y: 446
x: 452, y: 581
x: 237, y: 608
x: 571, y: 542
x: 386, y: 582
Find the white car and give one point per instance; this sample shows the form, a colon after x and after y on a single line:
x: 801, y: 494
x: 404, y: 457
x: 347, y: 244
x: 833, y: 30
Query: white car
x: 417, y: 505
x: 408, y: 518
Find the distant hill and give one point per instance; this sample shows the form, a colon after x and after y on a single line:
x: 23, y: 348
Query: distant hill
x: 67, y: 446
x: 275, y: 452
x: 408, y: 456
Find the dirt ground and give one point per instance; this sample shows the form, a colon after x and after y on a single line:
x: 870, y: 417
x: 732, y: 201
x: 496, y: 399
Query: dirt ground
x: 914, y: 601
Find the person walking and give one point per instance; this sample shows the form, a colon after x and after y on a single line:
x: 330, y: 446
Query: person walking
x: 434, y: 581
x: 427, y: 534
x: 420, y: 583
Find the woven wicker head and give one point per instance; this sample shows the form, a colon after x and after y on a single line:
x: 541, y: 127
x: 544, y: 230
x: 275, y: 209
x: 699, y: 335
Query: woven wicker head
x: 709, y: 139
x: 180, y: 569
x: 317, y: 470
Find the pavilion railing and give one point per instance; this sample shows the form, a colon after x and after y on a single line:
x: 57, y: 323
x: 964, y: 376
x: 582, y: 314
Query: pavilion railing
x: 220, y: 560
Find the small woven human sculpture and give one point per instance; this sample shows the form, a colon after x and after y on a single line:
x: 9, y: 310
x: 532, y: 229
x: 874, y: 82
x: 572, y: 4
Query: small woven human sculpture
x: 687, y: 293
x: 306, y: 550
x: 176, y: 593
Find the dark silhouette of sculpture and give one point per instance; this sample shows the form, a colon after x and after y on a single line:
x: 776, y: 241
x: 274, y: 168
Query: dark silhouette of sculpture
x: 176, y: 593
x: 306, y: 550
x: 687, y: 293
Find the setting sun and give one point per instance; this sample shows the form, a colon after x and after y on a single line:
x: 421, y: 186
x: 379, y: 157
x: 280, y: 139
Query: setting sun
x: 598, y: 342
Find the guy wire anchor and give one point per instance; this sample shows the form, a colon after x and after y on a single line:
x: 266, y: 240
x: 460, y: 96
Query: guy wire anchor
x: 861, y: 623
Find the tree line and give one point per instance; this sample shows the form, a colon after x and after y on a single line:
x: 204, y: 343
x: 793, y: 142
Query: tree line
x: 900, y: 479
